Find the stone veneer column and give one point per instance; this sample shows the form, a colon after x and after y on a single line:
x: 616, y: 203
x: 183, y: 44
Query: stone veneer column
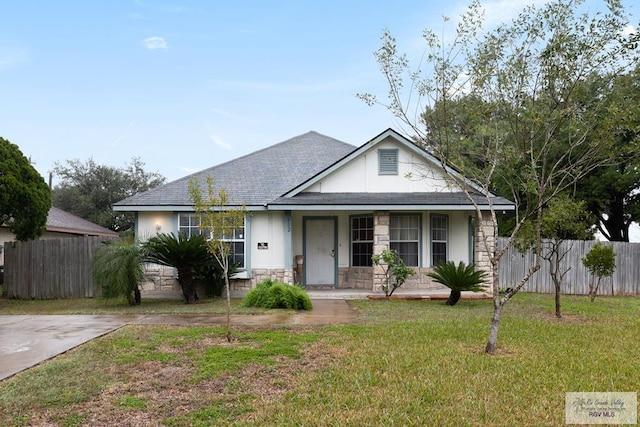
x: 380, y: 243
x: 483, y: 251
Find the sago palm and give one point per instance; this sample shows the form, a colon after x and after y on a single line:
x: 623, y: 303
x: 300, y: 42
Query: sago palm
x: 458, y: 278
x: 185, y: 254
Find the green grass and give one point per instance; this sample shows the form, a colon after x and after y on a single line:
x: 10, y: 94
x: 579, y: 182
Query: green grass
x: 401, y: 363
x: 120, y: 306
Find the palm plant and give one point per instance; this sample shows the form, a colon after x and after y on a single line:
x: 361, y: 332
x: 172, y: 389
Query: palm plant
x: 458, y: 278
x: 117, y: 269
x: 185, y: 254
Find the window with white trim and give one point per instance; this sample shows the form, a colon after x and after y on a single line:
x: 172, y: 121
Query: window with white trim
x: 388, y: 161
x: 404, y: 237
x: 361, y: 241
x: 439, y: 238
x: 189, y: 225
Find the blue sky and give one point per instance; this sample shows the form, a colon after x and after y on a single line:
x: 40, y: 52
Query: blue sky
x: 185, y: 85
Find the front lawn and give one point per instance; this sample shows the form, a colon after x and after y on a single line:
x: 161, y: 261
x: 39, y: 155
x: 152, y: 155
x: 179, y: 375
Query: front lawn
x: 120, y: 306
x: 403, y: 363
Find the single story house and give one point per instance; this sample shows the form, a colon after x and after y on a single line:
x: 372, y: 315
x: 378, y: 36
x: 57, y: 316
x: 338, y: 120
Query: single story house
x: 317, y: 209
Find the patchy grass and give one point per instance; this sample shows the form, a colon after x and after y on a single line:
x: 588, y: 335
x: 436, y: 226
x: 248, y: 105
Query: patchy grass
x: 402, y: 363
x: 119, y: 306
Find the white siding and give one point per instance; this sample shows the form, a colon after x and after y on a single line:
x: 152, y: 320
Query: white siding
x: 151, y: 223
x: 361, y: 174
x: 268, y: 227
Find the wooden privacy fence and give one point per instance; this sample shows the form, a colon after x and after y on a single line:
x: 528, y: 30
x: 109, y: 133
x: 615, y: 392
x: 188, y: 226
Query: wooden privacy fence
x: 56, y: 268
x: 625, y: 280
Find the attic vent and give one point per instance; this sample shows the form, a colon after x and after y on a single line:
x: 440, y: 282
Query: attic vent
x: 387, y: 161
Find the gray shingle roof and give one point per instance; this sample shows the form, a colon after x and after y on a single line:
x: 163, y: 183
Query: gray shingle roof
x: 257, y: 178
x: 64, y: 222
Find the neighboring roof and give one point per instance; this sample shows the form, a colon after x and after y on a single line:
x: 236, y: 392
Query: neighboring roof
x: 439, y: 200
x: 63, y: 222
x: 255, y: 179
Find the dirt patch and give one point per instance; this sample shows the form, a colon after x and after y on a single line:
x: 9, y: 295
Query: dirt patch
x: 146, y: 393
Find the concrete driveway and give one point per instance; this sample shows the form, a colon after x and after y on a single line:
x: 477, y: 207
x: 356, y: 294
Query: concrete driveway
x: 26, y: 341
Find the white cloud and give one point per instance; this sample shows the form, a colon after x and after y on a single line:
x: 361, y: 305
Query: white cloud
x: 497, y: 12
x: 220, y: 143
x: 155, y: 43
x: 629, y: 30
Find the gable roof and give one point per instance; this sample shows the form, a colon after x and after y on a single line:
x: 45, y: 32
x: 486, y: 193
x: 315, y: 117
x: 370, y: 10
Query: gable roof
x: 277, y: 177
x: 406, y: 143
x: 255, y: 179
x: 297, y: 198
x: 63, y: 222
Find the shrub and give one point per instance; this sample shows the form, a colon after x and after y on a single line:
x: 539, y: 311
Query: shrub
x: 273, y: 294
x: 117, y: 269
x: 601, y: 262
x: 395, y: 270
x: 210, y: 277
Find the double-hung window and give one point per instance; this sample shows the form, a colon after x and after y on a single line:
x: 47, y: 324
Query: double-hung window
x: 404, y: 237
x: 439, y: 238
x: 236, y: 240
x: 361, y: 241
x: 189, y: 225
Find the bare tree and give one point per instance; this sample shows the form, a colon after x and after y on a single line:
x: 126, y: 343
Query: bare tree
x: 221, y: 220
x: 526, y: 123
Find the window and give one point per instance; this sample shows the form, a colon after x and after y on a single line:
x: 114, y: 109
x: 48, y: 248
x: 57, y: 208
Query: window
x: 439, y: 238
x: 236, y: 240
x: 404, y: 237
x: 361, y: 241
x: 189, y: 225
x: 387, y: 161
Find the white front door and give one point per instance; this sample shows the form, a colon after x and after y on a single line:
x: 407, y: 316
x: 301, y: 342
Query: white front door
x: 320, y: 252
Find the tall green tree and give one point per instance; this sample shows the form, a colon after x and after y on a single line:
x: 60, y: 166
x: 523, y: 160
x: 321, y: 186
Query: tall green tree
x: 25, y: 198
x: 88, y: 190
x: 612, y: 192
x: 221, y: 220
x: 528, y: 76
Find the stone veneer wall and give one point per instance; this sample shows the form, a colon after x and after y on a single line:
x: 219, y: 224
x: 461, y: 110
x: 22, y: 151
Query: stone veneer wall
x: 362, y: 278
x: 355, y: 278
x: 381, y: 223
x: 482, y: 251
x: 160, y: 278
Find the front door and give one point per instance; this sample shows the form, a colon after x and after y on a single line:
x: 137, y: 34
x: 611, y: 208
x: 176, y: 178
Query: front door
x: 320, y: 252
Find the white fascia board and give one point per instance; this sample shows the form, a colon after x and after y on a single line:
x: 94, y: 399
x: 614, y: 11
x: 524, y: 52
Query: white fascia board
x: 389, y: 208
x: 176, y: 208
